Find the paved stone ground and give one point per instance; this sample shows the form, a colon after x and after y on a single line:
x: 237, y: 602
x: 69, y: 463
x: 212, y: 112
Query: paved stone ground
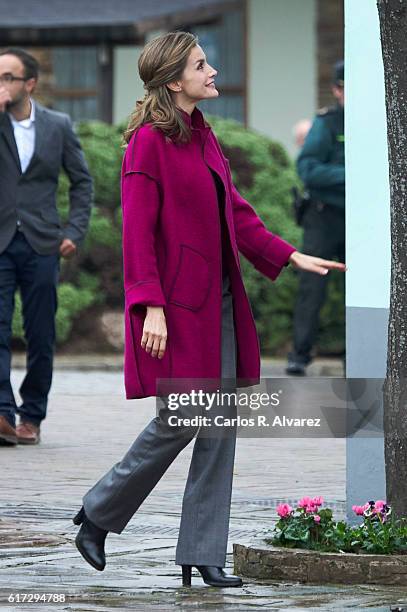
x: 90, y: 426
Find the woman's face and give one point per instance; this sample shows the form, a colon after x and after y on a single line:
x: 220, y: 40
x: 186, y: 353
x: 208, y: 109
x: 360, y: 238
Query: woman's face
x: 198, y: 79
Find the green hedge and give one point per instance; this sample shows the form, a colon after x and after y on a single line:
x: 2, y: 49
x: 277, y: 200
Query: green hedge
x: 263, y: 173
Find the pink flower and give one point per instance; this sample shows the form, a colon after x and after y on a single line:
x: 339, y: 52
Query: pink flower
x: 284, y: 510
x: 317, y: 518
x: 359, y: 510
x: 304, y: 502
x: 379, y: 505
x: 311, y: 504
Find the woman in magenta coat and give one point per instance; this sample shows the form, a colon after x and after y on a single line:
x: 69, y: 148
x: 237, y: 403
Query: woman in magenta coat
x: 187, y: 315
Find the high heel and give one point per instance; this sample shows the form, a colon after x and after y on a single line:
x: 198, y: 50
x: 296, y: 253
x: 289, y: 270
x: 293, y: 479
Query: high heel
x: 78, y: 518
x: 212, y: 575
x: 90, y: 541
x: 186, y: 575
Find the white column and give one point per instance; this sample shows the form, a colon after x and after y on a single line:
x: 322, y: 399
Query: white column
x: 367, y: 232
x: 127, y: 85
x: 281, y: 66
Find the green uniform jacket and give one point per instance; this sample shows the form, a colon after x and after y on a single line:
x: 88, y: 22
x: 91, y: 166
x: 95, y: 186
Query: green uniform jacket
x: 321, y: 162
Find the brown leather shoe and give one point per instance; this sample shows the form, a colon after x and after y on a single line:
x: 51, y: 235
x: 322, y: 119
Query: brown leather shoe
x: 8, y: 435
x: 28, y: 433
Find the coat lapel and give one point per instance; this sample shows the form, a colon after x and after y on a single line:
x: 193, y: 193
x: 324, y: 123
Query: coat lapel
x: 8, y: 135
x: 40, y: 126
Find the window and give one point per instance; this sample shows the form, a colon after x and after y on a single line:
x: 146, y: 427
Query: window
x: 76, y: 89
x: 223, y: 43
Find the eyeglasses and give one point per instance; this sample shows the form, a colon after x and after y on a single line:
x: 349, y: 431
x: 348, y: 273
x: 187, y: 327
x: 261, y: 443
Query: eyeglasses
x: 10, y: 78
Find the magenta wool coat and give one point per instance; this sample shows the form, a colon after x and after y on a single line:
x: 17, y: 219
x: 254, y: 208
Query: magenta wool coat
x: 173, y: 257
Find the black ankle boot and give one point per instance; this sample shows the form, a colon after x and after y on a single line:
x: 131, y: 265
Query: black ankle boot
x: 214, y: 576
x: 90, y: 541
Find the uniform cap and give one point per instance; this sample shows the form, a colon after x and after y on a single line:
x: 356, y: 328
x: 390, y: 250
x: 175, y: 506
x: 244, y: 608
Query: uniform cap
x: 339, y: 70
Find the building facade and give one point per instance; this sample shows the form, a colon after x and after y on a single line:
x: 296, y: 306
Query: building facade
x: 274, y: 57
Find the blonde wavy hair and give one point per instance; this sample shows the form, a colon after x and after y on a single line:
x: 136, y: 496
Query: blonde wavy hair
x: 162, y: 61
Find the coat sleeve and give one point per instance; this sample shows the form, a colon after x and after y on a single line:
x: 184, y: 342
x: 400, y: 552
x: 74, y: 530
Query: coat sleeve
x: 266, y: 251
x: 141, y: 206
x: 313, y: 165
x: 81, y: 185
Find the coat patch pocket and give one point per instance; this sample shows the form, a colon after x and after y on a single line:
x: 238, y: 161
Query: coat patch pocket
x: 192, y: 280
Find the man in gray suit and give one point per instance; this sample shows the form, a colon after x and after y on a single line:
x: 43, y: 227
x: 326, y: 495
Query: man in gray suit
x: 35, y: 143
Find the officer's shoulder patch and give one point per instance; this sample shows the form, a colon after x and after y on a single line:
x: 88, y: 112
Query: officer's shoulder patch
x: 326, y: 110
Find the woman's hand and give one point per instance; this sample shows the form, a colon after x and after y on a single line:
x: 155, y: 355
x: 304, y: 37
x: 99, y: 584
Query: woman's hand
x: 314, y: 264
x: 154, y: 338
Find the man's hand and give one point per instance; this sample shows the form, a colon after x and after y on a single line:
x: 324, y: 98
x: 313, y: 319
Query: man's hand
x: 67, y: 248
x: 154, y: 339
x: 314, y: 264
x: 5, y: 98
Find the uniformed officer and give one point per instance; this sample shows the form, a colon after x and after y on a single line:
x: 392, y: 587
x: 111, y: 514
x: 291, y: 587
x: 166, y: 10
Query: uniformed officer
x: 321, y: 166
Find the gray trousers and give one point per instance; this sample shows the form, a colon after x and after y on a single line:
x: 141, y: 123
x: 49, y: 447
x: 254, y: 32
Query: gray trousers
x: 203, y: 533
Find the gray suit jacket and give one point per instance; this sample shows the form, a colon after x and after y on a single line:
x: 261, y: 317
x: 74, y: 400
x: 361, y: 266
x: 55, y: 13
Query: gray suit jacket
x: 29, y: 199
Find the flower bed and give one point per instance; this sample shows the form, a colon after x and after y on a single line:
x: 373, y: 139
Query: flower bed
x: 307, y: 545
x: 263, y: 561
x: 312, y: 527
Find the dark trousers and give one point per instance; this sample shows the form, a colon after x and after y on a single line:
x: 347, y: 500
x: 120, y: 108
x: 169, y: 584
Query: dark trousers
x: 36, y: 276
x: 324, y: 236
